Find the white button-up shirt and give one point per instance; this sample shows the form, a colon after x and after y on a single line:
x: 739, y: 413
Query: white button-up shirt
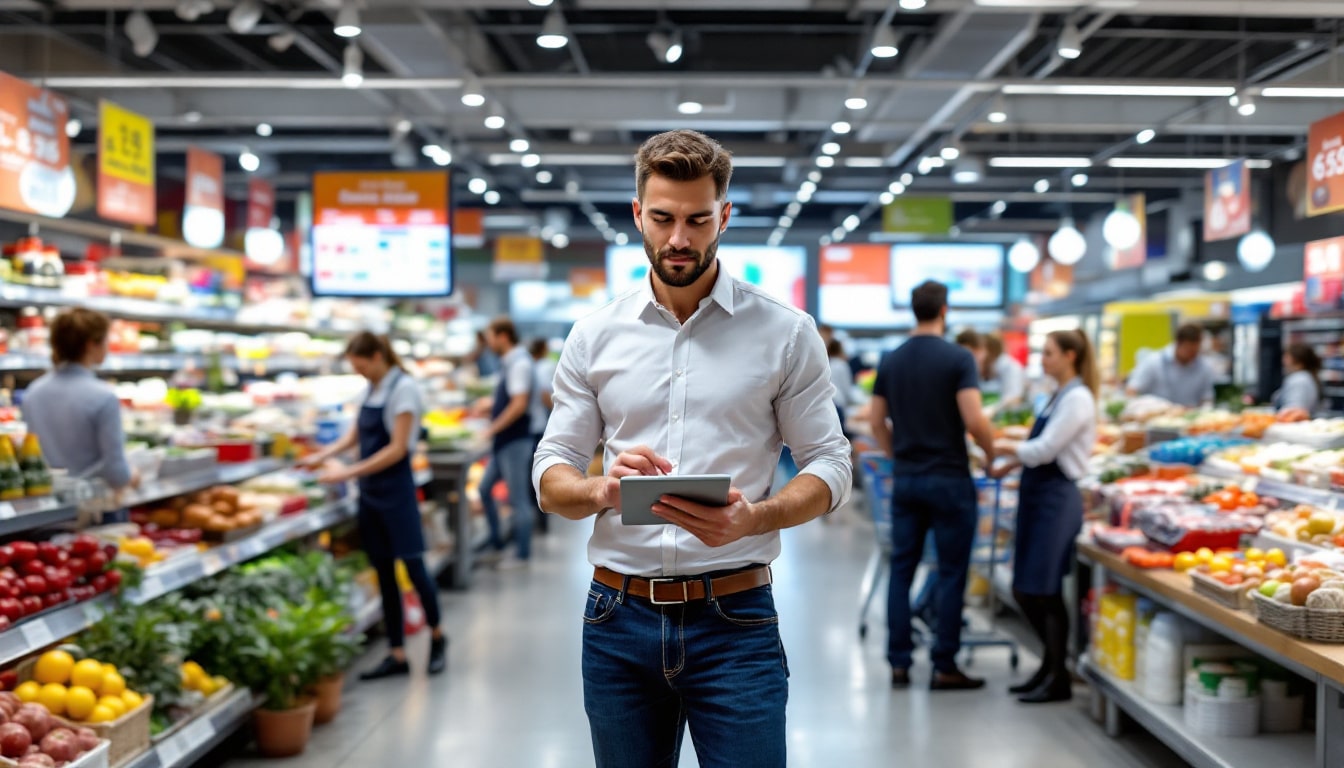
x: 721, y: 394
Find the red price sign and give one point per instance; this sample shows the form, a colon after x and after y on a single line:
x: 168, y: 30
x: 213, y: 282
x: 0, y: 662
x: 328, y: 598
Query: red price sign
x: 1325, y: 155
x: 1324, y: 273
x: 35, y: 174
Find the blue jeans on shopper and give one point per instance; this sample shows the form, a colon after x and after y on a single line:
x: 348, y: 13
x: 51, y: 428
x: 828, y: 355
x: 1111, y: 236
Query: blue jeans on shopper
x: 715, y: 664
x: 513, y: 462
x: 945, y: 505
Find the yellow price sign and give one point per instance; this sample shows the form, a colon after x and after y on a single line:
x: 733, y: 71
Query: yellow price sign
x: 126, y: 145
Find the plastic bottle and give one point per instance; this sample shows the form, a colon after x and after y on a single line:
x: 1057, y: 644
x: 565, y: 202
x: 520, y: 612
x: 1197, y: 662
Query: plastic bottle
x: 11, y: 477
x: 36, y: 476
x: 1163, y: 659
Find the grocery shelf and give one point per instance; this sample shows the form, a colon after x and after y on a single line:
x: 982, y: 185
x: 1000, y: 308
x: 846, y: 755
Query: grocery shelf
x: 1167, y: 723
x: 221, y: 474
x: 22, y: 515
x: 172, y: 362
x: 202, y: 734
x: 1297, y: 494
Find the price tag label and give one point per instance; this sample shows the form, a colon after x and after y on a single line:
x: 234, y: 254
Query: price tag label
x: 7, y: 511
x: 170, y: 751
x: 151, y: 587
x: 197, y: 733
x: 1251, y: 484
x: 212, y: 562
x: 37, y: 634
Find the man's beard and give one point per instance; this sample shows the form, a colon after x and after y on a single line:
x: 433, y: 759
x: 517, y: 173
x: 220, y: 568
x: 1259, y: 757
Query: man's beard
x: 679, y: 276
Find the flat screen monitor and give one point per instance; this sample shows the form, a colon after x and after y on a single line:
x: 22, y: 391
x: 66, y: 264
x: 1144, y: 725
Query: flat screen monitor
x: 382, y: 235
x: 855, y: 287
x: 780, y: 272
x: 972, y: 272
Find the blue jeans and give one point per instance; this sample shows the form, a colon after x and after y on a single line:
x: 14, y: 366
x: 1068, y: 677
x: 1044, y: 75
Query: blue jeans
x: 716, y: 664
x: 947, y: 506
x: 513, y: 462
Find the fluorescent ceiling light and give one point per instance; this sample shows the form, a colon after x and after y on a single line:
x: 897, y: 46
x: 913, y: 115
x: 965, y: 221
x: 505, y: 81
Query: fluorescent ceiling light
x: 830, y: 148
x: 825, y: 161
x: 1179, y: 163
x: 913, y: 5
x: 1290, y: 92
x: 491, y: 197
x: 244, y: 16
x: 541, y: 3
x: 519, y: 145
x: 1042, y: 186
x: 353, y: 74
x: 530, y: 160
x: 884, y: 42
x: 1040, y: 162
x: 477, y: 186
x: 1099, y: 89
x: 545, y: 177
x: 472, y: 93
x: 347, y: 20
x: 248, y: 161
x: 857, y: 99
x: 840, y: 127
x: 1145, y: 136
x: 553, y: 33
x: 1070, y: 44
x: 1079, y: 180
x: 864, y: 162
x: 998, y: 111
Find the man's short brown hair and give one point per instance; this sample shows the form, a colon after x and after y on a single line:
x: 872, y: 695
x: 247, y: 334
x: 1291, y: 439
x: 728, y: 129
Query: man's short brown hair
x: 683, y: 156
x: 1190, y: 334
x: 504, y: 326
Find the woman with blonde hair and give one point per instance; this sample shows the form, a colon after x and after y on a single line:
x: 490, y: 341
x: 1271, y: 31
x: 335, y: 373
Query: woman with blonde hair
x: 1050, y: 507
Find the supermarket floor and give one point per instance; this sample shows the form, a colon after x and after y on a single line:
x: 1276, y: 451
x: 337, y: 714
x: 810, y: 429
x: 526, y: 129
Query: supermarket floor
x: 512, y: 694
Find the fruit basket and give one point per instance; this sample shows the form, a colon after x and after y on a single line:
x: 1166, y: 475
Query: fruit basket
x: 1325, y: 626
x: 1236, y: 597
x: 1290, y: 619
x: 127, y: 735
x: 94, y: 758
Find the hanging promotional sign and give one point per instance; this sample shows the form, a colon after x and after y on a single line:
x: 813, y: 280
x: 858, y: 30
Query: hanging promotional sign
x: 519, y: 258
x: 265, y: 247
x: 125, y: 165
x: 1323, y: 273
x: 1325, y: 166
x: 919, y: 215
x: 1227, y: 202
x: 1135, y: 255
x: 469, y: 228
x: 203, y: 212
x: 585, y: 282
x: 35, y: 173
x: 260, y: 204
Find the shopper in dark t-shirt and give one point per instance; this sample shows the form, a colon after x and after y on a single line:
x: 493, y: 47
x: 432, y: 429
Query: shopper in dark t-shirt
x: 929, y: 389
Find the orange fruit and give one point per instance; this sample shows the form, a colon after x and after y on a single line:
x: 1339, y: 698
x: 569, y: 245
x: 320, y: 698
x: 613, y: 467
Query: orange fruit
x: 79, y: 702
x: 28, y: 691
x: 113, y: 684
x: 53, y: 696
x: 54, y: 667
x: 102, y: 714
x: 115, y: 704
x: 88, y: 674
x: 132, y: 700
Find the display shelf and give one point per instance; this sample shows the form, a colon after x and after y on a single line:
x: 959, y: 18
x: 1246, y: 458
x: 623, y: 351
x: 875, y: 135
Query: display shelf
x: 22, y: 515
x: 172, y: 362
x: 206, y: 731
x: 1297, y: 494
x: 221, y: 474
x: 32, y: 635
x: 1167, y: 723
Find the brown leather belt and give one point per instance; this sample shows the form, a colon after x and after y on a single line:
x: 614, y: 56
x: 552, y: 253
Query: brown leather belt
x: 684, y: 589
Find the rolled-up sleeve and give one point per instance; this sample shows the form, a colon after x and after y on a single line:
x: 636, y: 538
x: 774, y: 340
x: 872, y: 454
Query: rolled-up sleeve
x: 575, y: 426
x: 807, y: 418
x: 115, y: 471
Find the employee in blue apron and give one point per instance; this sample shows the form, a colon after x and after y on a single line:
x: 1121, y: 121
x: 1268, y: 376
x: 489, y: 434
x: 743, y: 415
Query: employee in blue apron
x: 1050, y: 508
x: 389, y: 512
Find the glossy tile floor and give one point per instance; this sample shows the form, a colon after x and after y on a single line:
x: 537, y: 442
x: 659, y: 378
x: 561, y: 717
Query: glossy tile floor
x: 512, y: 694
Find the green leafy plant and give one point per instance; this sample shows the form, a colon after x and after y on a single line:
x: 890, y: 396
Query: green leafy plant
x: 183, y: 399
x: 289, y: 651
x: 148, y: 643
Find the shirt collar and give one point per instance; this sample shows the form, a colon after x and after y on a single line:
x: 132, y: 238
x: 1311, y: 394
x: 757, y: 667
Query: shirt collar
x: 74, y: 369
x: 722, y: 293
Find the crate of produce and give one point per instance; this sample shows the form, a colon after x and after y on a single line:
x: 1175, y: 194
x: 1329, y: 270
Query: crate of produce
x: 1325, y: 626
x: 127, y: 735
x: 93, y: 758
x: 1291, y: 619
x: 1235, y: 597
x: 1217, y: 716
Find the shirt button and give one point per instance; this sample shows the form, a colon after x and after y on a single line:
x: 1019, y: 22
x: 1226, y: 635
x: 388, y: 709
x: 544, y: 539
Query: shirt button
x: 679, y: 372
x: 675, y: 417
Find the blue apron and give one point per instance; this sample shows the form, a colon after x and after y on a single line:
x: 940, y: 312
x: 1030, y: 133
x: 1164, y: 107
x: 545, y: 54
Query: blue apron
x: 1049, y: 517
x: 389, y: 512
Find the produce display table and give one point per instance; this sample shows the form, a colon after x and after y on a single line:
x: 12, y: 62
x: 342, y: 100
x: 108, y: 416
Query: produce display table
x: 1319, y: 663
x: 450, y: 478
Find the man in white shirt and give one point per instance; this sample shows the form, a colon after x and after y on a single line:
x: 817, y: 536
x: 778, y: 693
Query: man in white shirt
x: 1177, y: 374
x: 680, y: 625
x: 512, y: 446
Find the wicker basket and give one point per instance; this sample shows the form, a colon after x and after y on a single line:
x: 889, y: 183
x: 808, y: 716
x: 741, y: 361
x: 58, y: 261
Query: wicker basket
x: 1291, y: 619
x: 1325, y: 626
x: 1235, y: 597
x: 129, y: 733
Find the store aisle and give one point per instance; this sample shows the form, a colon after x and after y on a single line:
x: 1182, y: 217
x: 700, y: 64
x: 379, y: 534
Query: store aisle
x: 512, y: 694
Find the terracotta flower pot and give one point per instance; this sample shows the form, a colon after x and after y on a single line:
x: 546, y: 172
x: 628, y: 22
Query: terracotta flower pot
x: 284, y: 733
x: 328, y: 693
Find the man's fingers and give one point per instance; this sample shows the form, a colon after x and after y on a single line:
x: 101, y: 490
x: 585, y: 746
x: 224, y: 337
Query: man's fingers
x: 623, y: 471
x: 654, y: 460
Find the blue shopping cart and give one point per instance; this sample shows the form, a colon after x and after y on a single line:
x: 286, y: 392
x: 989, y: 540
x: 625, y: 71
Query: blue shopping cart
x: 877, y: 476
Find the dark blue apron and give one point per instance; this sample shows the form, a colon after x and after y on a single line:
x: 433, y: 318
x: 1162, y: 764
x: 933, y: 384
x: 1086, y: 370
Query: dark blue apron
x: 521, y: 429
x: 389, y: 513
x: 1049, y: 517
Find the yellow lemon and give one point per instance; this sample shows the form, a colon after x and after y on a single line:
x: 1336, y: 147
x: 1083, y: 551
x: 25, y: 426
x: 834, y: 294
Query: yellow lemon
x: 79, y: 702
x: 89, y: 674
x: 102, y: 714
x: 28, y: 692
x: 132, y: 700
x: 207, y: 686
x: 111, y: 669
x: 1277, y: 557
x: 113, y: 684
x: 53, y: 667
x: 115, y: 704
x: 52, y: 696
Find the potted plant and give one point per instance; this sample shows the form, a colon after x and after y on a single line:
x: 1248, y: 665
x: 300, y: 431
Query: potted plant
x: 184, y: 403
x: 333, y: 653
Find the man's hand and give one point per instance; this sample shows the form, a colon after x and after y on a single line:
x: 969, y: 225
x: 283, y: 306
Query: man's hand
x: 640, y: 460
x: 715, y: 526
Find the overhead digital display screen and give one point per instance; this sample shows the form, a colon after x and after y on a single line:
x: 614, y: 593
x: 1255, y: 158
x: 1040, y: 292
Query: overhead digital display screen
x: 972, y: 272
x: 855, y: 287
x: 382, y: 235
x: 780, y: 272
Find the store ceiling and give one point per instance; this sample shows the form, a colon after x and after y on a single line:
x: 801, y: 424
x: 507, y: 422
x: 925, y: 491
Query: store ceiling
x: 773, y: 77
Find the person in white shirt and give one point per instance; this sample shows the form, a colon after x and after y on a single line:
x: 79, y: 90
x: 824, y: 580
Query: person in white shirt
x: 690, y: 373
x: 1177, y: 374
x: 842, y: 378
x: 1003, y: 374
x: 1050, y: 507
x: 1300, y: 396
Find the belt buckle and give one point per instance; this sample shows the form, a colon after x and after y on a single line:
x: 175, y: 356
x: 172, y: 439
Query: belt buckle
x: 653, y: 591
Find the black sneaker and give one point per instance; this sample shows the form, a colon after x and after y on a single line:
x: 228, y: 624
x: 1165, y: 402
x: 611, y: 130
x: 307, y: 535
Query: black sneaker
x: 438, y: 654
x: 389, y: 667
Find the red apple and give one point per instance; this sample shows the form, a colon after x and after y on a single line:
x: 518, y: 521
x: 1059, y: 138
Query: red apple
x: 61, y: 744
x: 35, y: 718
x: 9, y: 703
x: 87, y: 739
x: 37, y: 760
x: 14, y: 740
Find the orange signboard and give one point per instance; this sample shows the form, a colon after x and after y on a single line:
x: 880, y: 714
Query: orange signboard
x: 518, y: 257
x: 862, y: 264
x: 469, y: 227
x: 1325, y: 166
x: 35, y: 174
x: 587, y: 281
x: 203, y: 213
x: 125, y: 165
x: 384, y: 198
x: 1137, y: 254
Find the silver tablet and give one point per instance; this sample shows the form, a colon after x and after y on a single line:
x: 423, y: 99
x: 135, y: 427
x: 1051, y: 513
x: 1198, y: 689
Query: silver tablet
x: 640, y: 493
